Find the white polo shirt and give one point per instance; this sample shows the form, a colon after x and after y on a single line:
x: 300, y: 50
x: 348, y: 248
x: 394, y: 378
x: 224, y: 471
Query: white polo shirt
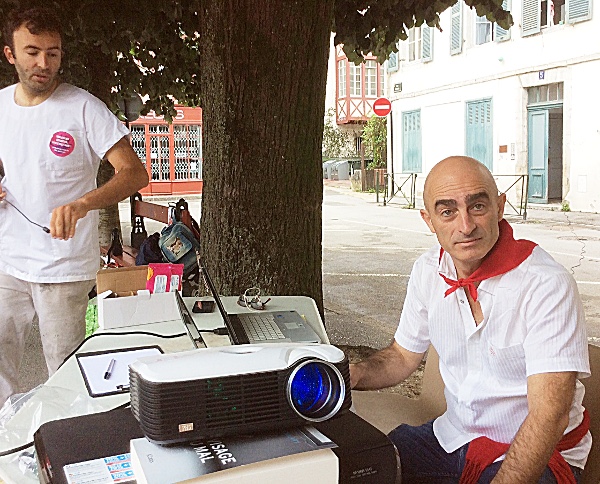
x: 51, y: 153
x: 533, y: 323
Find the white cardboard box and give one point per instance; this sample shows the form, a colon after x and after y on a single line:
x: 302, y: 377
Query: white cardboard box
x: 124, y: 301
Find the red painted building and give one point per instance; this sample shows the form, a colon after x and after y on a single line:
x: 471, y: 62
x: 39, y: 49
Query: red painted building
x: 171, y: 153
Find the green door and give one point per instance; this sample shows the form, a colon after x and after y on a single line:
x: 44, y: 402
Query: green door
x: 537, y: 155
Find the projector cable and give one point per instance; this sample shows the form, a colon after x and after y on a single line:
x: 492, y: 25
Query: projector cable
x: 220, y: 331
x: 147, y: 333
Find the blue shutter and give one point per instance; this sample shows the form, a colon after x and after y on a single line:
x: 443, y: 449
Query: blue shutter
x: 411, y: 142
x: 456, y: 38
x: 503, y: 34
x: 479, y: 133
x: 578, y: 10
x: 392, y: 63
x: 532, y: 17
x: 427, y: 40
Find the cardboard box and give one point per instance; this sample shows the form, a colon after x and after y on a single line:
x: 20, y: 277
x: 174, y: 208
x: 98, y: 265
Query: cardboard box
x: 124, y: 301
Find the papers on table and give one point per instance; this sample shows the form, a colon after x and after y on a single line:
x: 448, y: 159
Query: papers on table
x: 102, y: 376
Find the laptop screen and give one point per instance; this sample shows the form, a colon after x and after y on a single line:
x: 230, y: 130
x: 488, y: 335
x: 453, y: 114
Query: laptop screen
x: 214, y: 293
x: 188, y: 322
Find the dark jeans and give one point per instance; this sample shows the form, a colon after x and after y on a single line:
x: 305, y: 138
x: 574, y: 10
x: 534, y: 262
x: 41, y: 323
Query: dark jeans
x: 425, y: 462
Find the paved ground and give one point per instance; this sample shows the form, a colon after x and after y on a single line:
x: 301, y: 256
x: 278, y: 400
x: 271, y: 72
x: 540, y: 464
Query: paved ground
x: 368, y: 251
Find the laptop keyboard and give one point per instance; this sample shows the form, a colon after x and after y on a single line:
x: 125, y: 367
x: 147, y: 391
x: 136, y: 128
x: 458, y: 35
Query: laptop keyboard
x: 261, y: 327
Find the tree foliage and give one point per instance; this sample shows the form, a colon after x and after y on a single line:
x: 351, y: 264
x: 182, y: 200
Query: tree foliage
x: 375, y: 26
x: 258, y: 69
x: 336, y: 142
x: 149, y: 48
x: 162, y: 39
x: 375, y: 141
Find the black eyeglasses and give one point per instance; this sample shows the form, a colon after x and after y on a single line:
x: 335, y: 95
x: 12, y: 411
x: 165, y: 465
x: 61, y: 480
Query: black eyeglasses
x: 251, y: 299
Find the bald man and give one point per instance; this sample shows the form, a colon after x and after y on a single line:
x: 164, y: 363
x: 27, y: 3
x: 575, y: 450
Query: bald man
x: 508, y: 324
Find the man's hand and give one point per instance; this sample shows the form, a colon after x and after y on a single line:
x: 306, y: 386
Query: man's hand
x: 64, y: 219
x: 2, y: 192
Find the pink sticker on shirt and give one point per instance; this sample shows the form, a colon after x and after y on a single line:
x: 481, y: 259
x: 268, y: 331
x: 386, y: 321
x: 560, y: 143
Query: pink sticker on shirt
x: 62, y: 144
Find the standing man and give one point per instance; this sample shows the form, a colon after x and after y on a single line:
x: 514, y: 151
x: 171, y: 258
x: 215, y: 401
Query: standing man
x: 52, y: 139
x: 508, y: 324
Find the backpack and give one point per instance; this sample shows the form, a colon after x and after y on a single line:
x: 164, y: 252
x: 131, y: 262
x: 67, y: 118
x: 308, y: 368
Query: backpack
x: 178, y: 246
x: 149, y: 251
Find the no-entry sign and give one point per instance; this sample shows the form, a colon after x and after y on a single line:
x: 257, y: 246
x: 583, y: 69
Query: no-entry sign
x: 382, y: 107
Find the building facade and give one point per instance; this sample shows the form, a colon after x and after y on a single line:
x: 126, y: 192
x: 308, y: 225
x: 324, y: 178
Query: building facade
x: 351, y: 91
x: 522, y: 100
x: 171, y: 153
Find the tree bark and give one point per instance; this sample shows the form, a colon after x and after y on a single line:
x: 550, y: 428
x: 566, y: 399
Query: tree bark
x: 100, y: 87
x: 264, y: 70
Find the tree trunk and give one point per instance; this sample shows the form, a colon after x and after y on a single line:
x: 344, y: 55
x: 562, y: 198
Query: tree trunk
x: 100, y: 87
x: 264, y: 70
x: 109, y: 216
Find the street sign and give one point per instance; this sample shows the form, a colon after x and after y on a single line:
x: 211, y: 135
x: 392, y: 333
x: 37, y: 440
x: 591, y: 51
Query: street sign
x: 382, y: 107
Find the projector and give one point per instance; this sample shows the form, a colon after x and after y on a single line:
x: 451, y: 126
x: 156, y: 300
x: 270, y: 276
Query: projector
x: 213, y: 392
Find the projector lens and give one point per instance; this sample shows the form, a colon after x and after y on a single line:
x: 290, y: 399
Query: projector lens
x: 316, y: 390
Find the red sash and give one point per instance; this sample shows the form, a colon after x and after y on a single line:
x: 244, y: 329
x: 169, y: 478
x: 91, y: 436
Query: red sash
x: 483, y: 451
x: 506, y: 254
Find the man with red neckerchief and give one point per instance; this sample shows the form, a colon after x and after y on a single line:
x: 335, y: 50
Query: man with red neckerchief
x: 508, y: 324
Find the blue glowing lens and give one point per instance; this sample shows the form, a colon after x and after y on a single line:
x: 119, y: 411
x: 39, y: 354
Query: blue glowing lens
x: 315, y: 391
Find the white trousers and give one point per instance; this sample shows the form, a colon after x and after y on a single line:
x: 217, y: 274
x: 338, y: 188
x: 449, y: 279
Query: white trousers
x: 59, y: 309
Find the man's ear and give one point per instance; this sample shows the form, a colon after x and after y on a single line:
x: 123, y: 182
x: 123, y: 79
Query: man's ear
x: 501, y: 203
x: 8, y: 54
x: 425, y: 216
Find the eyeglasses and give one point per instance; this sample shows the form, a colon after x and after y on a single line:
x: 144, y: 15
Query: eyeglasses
x: 251, y: 299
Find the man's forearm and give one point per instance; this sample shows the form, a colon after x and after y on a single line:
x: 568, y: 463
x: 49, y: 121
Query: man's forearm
x: 118, y: 188
x: 549, y: 396
x: 531, y: 450
x: 385, y: 368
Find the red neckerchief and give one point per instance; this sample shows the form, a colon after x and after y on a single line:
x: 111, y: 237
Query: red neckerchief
x: 483, y: 451
x: 506, y: 254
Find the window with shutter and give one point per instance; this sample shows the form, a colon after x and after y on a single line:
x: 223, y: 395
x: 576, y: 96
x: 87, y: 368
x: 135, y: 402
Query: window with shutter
x: 484, y: 30
x: 342, y: 78
x: 479, y: 134
x: 371, y: 78
x: 411, y: 142
x: 500, y: 33
x: 456, y: 39
x: 578, y: 10
x: 552, y: 12
x: 414, y: 44
x: 531, y: 17
x: 392, y: 63
x: 427, y: 33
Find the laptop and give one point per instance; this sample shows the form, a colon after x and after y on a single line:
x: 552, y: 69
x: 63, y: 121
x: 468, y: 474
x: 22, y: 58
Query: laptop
x: 262, y: 326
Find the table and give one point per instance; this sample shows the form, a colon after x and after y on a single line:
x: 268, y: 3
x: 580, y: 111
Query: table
x: 65, y: 395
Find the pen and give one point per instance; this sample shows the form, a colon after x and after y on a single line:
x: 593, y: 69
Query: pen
x: 109, y: 370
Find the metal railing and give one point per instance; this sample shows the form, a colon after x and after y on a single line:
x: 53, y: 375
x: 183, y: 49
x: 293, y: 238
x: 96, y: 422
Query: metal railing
x: 403, y: 184
x: 518, y: 205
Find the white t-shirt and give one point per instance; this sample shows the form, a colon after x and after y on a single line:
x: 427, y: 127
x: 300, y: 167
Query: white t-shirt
x: 51, y: 153
x: 533, y: 323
